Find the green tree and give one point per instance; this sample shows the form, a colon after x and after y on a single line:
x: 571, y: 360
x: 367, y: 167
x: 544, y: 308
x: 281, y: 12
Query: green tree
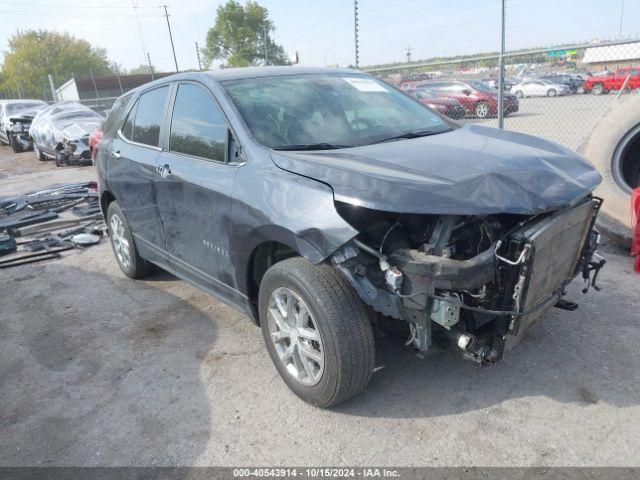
x: 34, y: 54
x: 238, y: 37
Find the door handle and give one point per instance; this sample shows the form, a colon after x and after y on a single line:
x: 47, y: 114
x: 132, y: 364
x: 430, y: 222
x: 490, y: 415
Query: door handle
x: 116, y: 154
x: 163, y: 170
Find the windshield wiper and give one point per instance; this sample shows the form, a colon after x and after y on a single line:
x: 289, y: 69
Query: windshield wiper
x: 406, y: 135
x: 311, y: 146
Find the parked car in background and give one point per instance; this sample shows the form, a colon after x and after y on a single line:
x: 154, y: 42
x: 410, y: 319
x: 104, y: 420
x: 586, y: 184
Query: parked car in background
x: 61, y: 131
x: 562, y: 79
x: 319, y: 201
x: 15, y: 120
x: 539, y: 88
x: 603, y: 84
x: 478, y: 99
x: 493, y: 83
x: 450, y: 107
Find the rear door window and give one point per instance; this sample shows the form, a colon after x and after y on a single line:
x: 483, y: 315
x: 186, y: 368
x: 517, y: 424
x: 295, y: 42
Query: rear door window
x: 145, y: 118
x: 198, y: 127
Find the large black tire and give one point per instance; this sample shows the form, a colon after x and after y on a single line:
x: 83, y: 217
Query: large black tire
x: 60, y: 158
x: 137, y: 266
x: 340, y: 318
x: 15, y: 145
x: 598, y: 89
x: 551, y: 92
x: 602, y: 148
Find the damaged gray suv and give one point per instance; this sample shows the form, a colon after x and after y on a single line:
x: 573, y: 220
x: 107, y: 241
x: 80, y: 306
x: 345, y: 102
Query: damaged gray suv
x: 324, y: 202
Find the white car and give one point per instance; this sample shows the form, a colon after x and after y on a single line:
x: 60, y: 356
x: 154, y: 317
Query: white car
x: 17, y: 128
x: 539, y: 88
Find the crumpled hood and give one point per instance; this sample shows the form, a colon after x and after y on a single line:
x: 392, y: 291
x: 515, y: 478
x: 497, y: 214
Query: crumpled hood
x: 469, y: 171
x: 25, y: 115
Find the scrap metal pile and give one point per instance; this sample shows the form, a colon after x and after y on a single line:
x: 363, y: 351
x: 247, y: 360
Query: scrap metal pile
x: 40, y: 225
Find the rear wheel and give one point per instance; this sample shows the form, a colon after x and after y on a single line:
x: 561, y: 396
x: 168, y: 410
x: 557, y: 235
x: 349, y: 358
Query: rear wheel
x: 124, y: 247
x: 551, y: 92
x: 519, y: 94
x: 481, y: 110
x: 598, y: 89
x: 317, y: 331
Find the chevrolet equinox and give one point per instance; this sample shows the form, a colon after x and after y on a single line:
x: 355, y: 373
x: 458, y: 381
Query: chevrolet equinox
x: 322, y: 203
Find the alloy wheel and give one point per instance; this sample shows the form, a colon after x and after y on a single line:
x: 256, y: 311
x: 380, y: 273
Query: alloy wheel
x: 295, y: 336
x: 120, y: 242
x: 482, y: 110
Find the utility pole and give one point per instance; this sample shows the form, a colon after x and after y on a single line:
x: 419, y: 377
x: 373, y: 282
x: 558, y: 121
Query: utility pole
x: 150, y: 66
x: 173, y: 49
x: 52, y: 86
x: 135, y: 12
x: 408, y: 55
x: 621, y: 16
x: 501, y: 70
x: 355, y: 30
x: 198, y: 55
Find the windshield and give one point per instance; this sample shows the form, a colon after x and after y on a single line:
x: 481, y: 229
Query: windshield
x: 339, y: 111
x: 16, y: 107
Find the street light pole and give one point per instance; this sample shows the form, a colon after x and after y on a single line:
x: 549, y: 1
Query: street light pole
x: 355, y: 30
x: 501, y: 71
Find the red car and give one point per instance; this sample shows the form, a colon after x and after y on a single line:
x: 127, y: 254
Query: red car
x: 94, y: 138
x: 606, y: 83
x: 479, y: 99
x: 446, y: 106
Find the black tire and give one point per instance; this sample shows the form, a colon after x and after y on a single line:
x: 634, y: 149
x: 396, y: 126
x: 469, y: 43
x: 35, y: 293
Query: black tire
x: 551, y: 92
x: 138, y: 267
x: 605, y: 147
x: 598, y: 89
x: 341, y: 320
x: 60, y: 158
x: 481, y: 110
x: 15, y: 145
x: 519, y: 94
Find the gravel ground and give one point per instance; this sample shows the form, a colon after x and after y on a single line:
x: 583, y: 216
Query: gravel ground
x: 97, y: 369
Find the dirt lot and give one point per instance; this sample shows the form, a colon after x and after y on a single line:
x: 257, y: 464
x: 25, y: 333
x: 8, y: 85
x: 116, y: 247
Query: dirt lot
x: 97, y: 369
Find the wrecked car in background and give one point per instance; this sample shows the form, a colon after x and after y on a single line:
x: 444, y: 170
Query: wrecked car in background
x: 15, y: 120
x: 303, y: 196
x: 61, y: 131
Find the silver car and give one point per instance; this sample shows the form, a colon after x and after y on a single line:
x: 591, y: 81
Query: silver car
x: 14, y: 130
x: 539, y: 88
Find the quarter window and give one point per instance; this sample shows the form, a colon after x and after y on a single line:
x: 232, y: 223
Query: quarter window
x: 198, y: 127
x: 143, y: 123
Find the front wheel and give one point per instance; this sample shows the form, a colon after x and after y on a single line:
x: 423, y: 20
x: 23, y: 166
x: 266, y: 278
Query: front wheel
x: 519, y: 94
x: 551, y: 92
x: 317, y: 331
x: 481, y: 110
x: 15, y: 145
x: 598, y: 89
x: 60, y: 158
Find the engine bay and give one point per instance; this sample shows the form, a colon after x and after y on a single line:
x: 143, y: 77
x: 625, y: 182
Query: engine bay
x: 468, y: 282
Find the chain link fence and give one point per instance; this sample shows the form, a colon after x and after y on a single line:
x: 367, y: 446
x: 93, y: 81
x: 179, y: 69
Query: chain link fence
x: 558, y: 93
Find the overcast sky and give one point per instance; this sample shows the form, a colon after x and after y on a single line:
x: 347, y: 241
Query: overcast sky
x: 322, y: 30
